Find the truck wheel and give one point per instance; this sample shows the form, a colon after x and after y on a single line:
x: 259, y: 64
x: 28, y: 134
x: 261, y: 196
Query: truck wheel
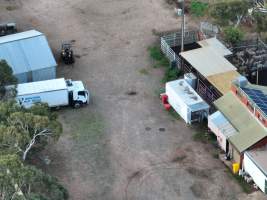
x: 77, y: 104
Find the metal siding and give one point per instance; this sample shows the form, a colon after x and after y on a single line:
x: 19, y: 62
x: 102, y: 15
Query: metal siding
x: 252, y: 169
x: 37, y: 53
x: 44, y: 74
x: 22, y: 77
x: 28, y: 54
x: 19, y: 36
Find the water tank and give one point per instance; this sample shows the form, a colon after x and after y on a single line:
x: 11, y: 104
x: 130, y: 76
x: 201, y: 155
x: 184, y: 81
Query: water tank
x: 191, y: 79
x: 242, y: 81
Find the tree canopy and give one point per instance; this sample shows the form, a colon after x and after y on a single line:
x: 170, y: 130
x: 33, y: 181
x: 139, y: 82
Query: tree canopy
x: 22, y: 130
x: 227, y: 12
x: 23, y: 182
x: 261, y: 21
x: 6, y: 77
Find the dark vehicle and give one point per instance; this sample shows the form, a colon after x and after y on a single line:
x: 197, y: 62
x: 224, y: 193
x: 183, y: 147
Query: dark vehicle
x: 67, y: 53
x: 7, y: 29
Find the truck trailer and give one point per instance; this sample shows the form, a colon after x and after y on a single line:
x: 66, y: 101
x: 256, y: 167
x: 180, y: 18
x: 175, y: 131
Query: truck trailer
x: 54, y: 92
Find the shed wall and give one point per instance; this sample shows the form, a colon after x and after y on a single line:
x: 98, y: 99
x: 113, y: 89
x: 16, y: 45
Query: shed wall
x: 235, y: 155
x: 221, y: 139
x: 22, y: 77
x: 258, y: 176
x: 44, y: 74
x: 37, y: 75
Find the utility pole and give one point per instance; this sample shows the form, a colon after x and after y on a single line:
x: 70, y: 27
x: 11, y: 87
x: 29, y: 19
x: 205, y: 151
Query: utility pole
x: 183, y: 25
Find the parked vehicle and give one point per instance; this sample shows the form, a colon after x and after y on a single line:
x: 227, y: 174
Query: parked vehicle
x: 67, y: 53
x: 55, y: 92
x: 7, y: 29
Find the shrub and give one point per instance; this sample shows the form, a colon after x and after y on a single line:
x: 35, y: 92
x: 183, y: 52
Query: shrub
x: 198, y: 8
x: 233, y: 35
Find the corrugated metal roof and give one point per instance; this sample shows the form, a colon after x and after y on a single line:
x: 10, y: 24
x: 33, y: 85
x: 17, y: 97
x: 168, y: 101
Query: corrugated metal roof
x: 207, y: 62
x: 258, y: 156
x: 41, y: 86
x: 222, y: 124
x: 250, y: 131
x: 216, y: 45
x: 223, y: 81
x: 20, y: 36
x: 26, y: 51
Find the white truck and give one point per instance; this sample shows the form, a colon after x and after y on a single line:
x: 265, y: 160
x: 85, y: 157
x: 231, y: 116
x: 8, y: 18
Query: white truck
x: 54, y: 92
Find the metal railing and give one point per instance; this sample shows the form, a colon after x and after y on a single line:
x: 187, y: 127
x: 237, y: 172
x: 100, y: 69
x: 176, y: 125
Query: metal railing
x: 174, y: 40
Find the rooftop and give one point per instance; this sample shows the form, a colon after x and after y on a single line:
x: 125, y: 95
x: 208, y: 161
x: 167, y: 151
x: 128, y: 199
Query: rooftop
x: 259, y: 157
x: 26, y: 51
x: 187, y: 93
x: 207, y: 61
x: 255, y: 93
x: 223, y: 124
x: 216, y: 45
x: 223, y: 81
x: 249, y: 130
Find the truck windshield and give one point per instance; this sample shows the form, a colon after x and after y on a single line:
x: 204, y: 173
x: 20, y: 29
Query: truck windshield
x: 82, y: 93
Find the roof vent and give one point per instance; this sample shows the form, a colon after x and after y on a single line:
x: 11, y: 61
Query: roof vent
x: 194, y: 97
x: 242, y: 81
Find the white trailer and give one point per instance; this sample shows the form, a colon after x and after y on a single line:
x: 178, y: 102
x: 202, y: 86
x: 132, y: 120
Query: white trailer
x: 55, y: 92
x: 186, y: 102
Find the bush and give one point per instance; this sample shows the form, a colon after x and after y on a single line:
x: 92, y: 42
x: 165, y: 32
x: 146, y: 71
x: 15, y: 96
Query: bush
x: 171, y: 74
x: 198, y: 8
x: 233, y: 35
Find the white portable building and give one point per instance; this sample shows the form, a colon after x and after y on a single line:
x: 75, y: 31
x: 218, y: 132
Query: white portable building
x: 255, y: 164
x: 222, y: 128
x: 185, y: 101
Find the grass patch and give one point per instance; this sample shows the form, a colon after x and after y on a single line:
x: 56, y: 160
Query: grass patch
x: 198, y: 8
x: 155, y: 53
x: 246, y: 187
x: 158, y: 57
x: 143, y: 71
x: 10, y: 8
x: 171, y: 73
x: 89, y: 128
x: 204, y: 137
x: 159, y: 91
x: 174, y: 114
x: 179, y: 158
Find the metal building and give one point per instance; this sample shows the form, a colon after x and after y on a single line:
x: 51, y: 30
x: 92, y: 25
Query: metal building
x: 29, y: 55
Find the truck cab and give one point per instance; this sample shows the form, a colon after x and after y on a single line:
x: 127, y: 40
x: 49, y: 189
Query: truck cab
x: 78, y: 95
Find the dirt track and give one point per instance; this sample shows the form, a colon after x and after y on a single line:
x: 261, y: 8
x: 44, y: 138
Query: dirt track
x: 121, y: 147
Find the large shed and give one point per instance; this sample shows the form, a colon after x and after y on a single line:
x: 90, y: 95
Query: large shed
x: 29, y: 55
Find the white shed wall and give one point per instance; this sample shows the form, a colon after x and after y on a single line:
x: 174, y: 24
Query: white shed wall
x: 220, y: 136
x: 178, y: 105
x: 251, y: 168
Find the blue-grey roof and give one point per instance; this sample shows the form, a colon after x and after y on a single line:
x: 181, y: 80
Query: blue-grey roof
x: 26, y: 51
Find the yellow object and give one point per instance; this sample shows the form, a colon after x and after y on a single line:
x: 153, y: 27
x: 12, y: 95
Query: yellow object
x: 236, y: 168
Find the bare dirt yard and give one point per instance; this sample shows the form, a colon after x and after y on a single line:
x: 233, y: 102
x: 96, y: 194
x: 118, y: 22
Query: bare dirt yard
x: 124, y: 145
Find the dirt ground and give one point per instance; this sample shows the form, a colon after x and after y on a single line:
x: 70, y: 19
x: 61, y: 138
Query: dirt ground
x: 121, y: 146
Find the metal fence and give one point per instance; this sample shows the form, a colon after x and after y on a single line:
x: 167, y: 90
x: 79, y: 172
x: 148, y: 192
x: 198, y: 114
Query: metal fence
x: 174, y: 40
x: 257, y: 43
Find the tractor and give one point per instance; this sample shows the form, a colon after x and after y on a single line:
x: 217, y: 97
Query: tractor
x: 67, y: 53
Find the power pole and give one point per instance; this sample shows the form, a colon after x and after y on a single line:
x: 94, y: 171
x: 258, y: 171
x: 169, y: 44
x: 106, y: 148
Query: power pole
x: 183, y: 25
